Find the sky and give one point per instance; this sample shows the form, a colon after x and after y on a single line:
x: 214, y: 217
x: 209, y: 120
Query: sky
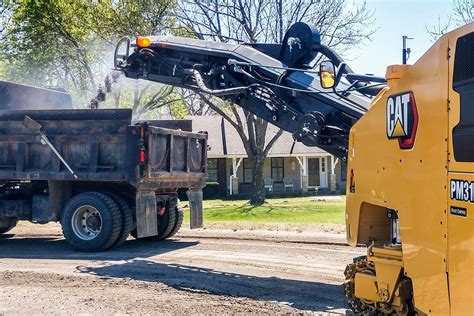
x: 393, y: 19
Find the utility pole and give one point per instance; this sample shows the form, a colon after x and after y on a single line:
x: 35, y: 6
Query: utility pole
x: 280, y: 20
x: 406, y: 51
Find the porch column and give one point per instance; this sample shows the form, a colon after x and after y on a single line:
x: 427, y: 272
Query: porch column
x: 304, y: 173
x: 234, y: 180
x: 333, y: 174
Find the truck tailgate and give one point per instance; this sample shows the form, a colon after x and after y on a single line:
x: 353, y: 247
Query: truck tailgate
x: 175, y: 153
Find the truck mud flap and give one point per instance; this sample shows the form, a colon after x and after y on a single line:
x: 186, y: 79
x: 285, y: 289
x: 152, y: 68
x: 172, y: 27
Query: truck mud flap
x: 195, y: 204
x: 147, y: 216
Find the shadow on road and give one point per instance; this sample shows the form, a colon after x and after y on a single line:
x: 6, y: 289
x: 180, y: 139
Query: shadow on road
x: 304, y: 295
x: 312, y: 296
x: 54, y: 248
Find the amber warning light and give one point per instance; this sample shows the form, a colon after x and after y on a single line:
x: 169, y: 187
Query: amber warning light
x: 143, y: 42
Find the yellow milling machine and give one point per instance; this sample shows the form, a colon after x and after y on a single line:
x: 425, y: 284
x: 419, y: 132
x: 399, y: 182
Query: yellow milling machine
x: 408, y: 140
x: 423, y: 256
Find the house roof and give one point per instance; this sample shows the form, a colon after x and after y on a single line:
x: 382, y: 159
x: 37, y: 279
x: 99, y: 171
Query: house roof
x: 224, y: 140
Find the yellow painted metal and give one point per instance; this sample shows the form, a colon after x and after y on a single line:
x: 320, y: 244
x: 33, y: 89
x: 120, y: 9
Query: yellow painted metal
x: 395, y: 72
x: 414, y: 182
x: 366, y: 287
x: 460, y: 229
x: 387, y: 252
x: 379, y: 283
x: 388, y: 274
x: 461, y: 254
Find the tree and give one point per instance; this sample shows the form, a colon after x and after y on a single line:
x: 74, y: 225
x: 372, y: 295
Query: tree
x: 115, y: 19
x: 5, y: 16
x: 70, y: 43
x: 342, y: 27
x: 463, y: 13
x: 252, y: 131
x: 49, y: 41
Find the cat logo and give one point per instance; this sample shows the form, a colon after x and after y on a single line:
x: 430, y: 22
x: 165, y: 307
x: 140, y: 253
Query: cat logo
x: 402, y: 119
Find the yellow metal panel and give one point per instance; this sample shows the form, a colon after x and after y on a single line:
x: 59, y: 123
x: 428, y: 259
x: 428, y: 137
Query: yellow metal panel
x: 385, y: 252
x: 461, y: 253
x: 460, y: 228
x: 388, y: 273
x: 365, y: 287
x: 414, y: 181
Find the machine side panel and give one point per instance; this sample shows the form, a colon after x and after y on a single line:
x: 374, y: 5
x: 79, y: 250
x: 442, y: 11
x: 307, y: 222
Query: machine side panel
x: 461, y: 178
x: 410, y: 181
x: 460, y: 241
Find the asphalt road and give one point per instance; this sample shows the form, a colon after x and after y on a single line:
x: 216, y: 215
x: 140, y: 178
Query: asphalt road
x: 210, y: 273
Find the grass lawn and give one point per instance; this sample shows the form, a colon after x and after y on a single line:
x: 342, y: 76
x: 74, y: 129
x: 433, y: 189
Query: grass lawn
x: 282, y: 213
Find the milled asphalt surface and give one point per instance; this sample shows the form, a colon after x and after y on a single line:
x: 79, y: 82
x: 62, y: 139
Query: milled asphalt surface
x: 199, y: 272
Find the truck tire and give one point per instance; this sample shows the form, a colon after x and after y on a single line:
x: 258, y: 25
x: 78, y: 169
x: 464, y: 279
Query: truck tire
x: 179, y: 220
x: 91, y: 222
x: 167, y: 221
x: 7, y: 224
x: 127, y: 219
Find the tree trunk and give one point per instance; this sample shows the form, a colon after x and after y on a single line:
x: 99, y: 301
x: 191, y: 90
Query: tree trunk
x: 258, y: 196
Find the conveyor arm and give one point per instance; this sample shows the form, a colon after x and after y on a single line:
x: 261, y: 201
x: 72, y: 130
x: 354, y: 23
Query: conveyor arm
x: 272, y: 81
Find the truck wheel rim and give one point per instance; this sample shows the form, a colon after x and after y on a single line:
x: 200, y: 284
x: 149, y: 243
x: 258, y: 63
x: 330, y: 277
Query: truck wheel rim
x: 86, y: 222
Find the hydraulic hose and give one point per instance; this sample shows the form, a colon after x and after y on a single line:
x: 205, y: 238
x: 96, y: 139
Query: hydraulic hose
x: 222, y: 92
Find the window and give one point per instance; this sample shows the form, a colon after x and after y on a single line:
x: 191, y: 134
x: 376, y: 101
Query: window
x: 248, y: 171
x: 463, y: 83
x: 212, y: 170
x: 278, y: 169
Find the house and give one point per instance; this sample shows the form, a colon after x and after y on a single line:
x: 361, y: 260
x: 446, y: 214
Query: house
x: 290, y: 165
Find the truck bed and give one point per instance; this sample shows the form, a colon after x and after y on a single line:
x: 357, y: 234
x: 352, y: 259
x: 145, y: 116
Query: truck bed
x: 100, y: 145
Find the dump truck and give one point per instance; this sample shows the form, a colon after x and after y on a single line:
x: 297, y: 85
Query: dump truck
x: 407, y: 137
x: 98, y: 173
